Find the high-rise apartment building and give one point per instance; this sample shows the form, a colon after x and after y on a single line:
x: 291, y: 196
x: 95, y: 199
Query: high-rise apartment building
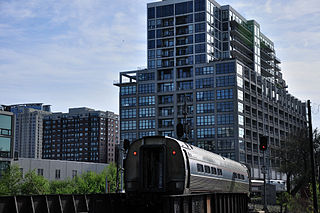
x: 83, y: 134
x: 28, y: 128
x: 208, y: 60
x: 6, y: 139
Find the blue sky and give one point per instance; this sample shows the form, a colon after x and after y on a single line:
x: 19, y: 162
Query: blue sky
x: 68, y: 53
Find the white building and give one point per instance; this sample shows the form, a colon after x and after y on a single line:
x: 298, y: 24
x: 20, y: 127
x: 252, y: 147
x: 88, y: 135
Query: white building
x: 57, y: 169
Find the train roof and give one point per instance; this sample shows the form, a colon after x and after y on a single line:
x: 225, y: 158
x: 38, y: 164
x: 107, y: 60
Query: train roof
x: 209, y: 157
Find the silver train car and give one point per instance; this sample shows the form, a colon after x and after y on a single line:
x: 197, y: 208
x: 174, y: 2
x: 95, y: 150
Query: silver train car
x: 167, y: 165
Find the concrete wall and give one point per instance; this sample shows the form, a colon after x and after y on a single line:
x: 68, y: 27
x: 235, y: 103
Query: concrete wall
x: 50, y: 167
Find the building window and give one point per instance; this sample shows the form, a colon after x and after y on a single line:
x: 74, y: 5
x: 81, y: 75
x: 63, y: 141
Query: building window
x: 200, y: 48
x: 165, y: 111
x: 165, y: 74
x: 199, y: 59
x: 74, y: 173
x: 205, y: 95
x: 151, y: 13
x: 57, y: 174
x: 163, y: 11
x: 225, y: 119
x: 199, y: 17
x: 205, y: 120
x: 128, y: 90
x: 204, y: 83
x: 224, y: 132
x: 224, y: 81
x: 146, y: 100
x: 146, y: 88
x: 188, y: 97
x: 205, y: 133
x: 225, y: 68
x: 165, y: 87
x: 165, y: 99
x: 185, y: 85
x: 185, y: 72
x: 225, y: 106
x: 128, y: 113
x: 128, y: 125
x: 146, y: 76
x: 131, y: 136
x: 200, y: 27
x: 169, y: 133
x: 165, y: 123
x: 150, y: 133
x: 200, y: 38
x: 147, y: 124
x: 184, y: 7
x: 199, y: 5
x: 204, y: 70
x: 181, y: 109
x: 147, y: 112
x: 40, y: 172
x: 225, y: 144
x: 205, y: 108
x: 224, y: 94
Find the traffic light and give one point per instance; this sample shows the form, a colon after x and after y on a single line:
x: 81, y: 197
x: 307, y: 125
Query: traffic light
x: 263, y: 143
x: 179, y: 129
x: 126, y: 144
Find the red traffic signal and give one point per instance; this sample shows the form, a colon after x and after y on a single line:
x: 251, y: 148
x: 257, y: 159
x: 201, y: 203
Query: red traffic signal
x: 263, y: 143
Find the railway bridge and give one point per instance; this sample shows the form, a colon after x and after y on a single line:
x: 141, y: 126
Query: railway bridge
x: 120, y: 203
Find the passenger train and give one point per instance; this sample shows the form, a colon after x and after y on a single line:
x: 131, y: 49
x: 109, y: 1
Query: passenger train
x: 166, y: 165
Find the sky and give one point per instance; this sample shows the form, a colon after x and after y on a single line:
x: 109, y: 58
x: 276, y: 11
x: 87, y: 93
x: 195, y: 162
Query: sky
x: 68, y: 53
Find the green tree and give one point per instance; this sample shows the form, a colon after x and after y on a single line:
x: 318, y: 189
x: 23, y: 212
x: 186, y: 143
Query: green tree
x: 62, y: 187
x: 90, y: 182
x: 112, y: 176
x: 11, y: 180
x: 34, y: 184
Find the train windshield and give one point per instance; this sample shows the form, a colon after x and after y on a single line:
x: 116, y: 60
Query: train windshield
x: 153, y: 168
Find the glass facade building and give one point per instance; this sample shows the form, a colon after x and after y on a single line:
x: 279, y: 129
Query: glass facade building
x: 6, y: 139
x: 207, y: 61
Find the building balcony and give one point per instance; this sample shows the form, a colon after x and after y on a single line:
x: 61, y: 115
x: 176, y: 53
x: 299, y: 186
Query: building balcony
x: 266, y: 47
x: 276, y: 60
x: 277, y: 67
x: 266, y: 64
x: 241, y: 56
x: 243, y: 31
x: 242, y: 45
x: 266, y: 72
x: 266, y: 56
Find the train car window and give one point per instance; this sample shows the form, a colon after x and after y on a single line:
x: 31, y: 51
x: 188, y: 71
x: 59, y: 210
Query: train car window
x: 239, y: 176
x: 242, y: 177
x: 213, y: 170
x: 206, y: 169
x: 199, y: 167
x: 234, y: 175
x: 219, y: 172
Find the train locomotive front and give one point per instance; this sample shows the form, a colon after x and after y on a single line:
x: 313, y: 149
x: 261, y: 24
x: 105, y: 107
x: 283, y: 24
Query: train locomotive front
x: 165, y: 165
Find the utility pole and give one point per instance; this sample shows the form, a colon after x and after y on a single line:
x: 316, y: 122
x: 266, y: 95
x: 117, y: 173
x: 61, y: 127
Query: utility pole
x: 265, y: 207
x: 185, y: 124
x: 263, y: 146
x: 314, y: 186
